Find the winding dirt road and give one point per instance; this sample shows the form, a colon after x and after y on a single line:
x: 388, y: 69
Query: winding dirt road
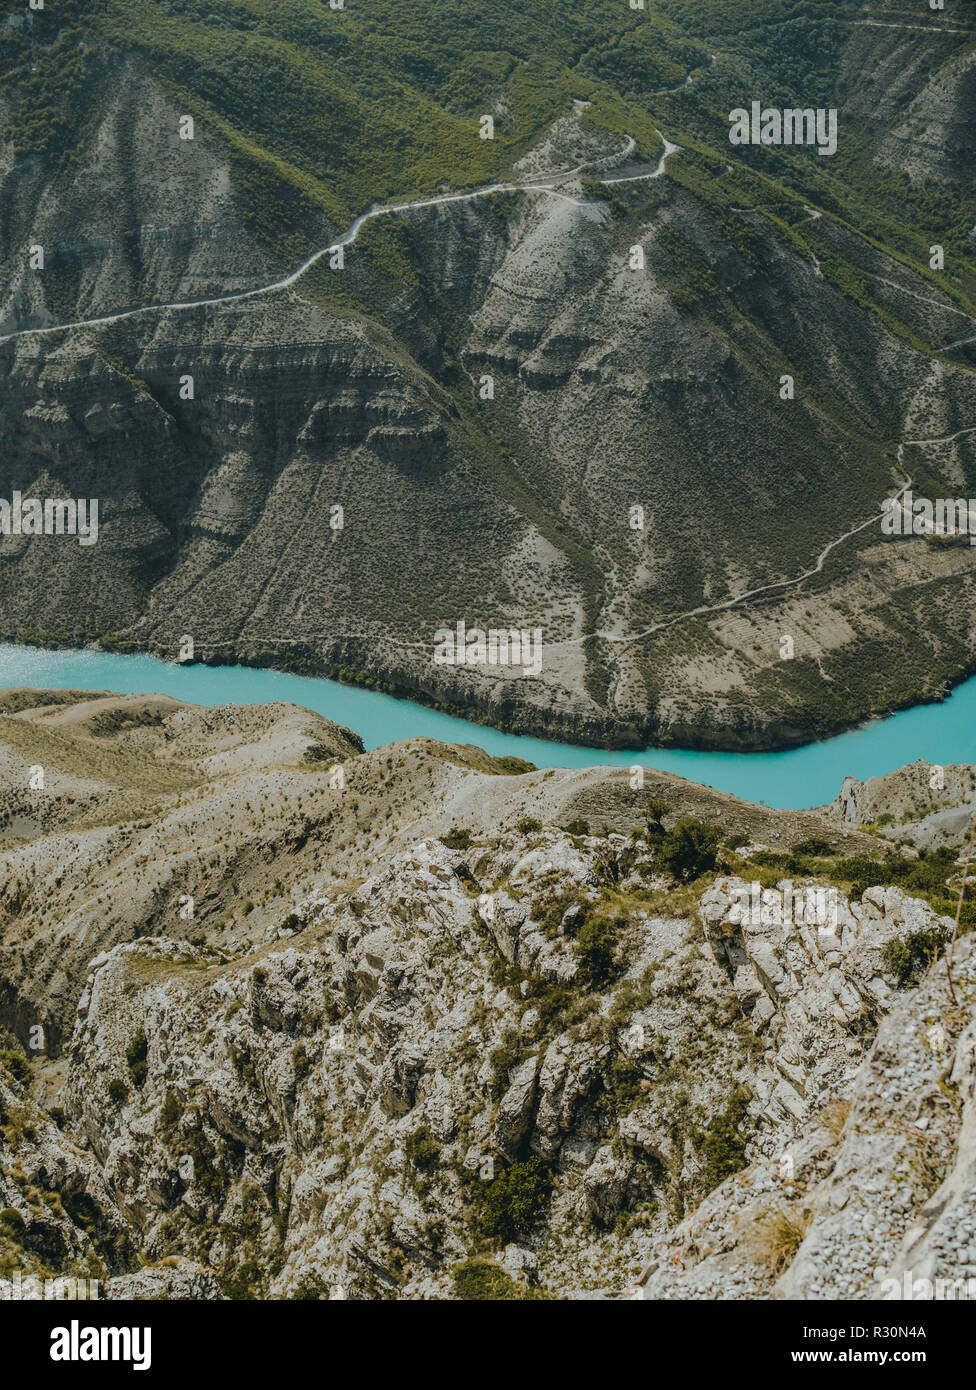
x: 386, y: 210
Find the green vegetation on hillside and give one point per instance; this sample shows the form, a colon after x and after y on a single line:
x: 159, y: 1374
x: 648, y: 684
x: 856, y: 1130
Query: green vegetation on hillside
x: 319, y: 113
x: 328, y: 110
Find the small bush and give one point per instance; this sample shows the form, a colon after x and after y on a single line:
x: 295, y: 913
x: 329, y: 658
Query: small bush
x: 513, y: 1200
x: 770, y: 859
x: 482, y: 1281
x: 421, y: 1149
x: 457, y: 839
x: 311, y: 1289
x: 528, y: 825
x: 627, y: 1077
x: 135, y: 1055
x: 908, y: 957
x: 18, y: 1066
x: 84, y: 1210
x: 171, y: 1110
x: 654, y: 813
x: 12, y: 1224
x: 117, y: 1091
x: 813, y: 845
x: 549, y: 910
x: 724, y: 1143
x: 596, y: 952
x: 503, y: 1058
x: 689, y: 849
x: 577, y: 827
x: 301, y: 1061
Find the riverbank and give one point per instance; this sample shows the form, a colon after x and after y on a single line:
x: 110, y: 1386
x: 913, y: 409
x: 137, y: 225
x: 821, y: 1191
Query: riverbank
x: 811, y: 775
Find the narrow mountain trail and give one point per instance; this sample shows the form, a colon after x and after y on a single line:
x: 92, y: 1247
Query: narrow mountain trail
x: 922, y: 298
x: 536, y: 184
x: 689, y: 81
x: 703, y: 609
x: 780, y: 583
x: 737, y: 599
x: 892, y: 24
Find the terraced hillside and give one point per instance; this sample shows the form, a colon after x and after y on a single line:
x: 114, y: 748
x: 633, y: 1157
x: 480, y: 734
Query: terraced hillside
x: 611, y: 388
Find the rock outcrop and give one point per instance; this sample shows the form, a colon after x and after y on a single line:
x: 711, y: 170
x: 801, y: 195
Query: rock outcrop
x: 924, y: 804
x: 473, y: 1047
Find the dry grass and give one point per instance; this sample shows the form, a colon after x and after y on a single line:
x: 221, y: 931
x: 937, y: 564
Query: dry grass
x: 833, y: 1117
x: 777, y: 1235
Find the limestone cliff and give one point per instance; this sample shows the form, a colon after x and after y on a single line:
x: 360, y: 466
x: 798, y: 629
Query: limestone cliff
x: 445, y: 1028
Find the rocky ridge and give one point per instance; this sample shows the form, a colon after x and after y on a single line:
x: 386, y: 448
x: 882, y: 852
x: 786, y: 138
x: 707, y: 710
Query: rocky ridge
x: 923, y: 804
x: 476, y: 1039
x: 343, y: 1110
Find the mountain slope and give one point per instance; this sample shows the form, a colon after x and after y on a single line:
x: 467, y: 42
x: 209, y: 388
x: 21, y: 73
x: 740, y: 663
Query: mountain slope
x: 449, y: 1027
x: 364, y: 388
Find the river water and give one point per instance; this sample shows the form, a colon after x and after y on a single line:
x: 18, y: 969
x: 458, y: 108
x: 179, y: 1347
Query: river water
x: 797, y: 777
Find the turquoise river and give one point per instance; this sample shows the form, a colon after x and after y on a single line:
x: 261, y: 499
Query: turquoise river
x: 807, y: 776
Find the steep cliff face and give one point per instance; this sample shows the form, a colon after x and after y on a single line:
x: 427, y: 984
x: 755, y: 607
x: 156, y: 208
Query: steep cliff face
x: 522, y: 430
x: 870, y: 1200
x: 925, y: 804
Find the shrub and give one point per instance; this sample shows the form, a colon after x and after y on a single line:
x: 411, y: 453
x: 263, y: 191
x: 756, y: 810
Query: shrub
x: 482, y: 1281
x: 689, y: 849
x: 549, y: 911
x: 135, y: 1055
x: 528, y: 825
x: 654, y: 813
x: 627, y: 1076
x: 421, y: 1149
x: 551, y: 1002
x: 12, y: 1224
x: 117, y: 1091
x: 301, y: 1061
x: 243, y: 1284
x: 724, y: 1143
x: 908, y: 957
x: 596, y: 952
x: 607, y: 871
x: 513, y: 1200
x: 503, y: 1058
x: 84, y: 1210
x: 577, y: 827
x: 457, y: 839
x: 18, y: 1066
x: 171, y: 1110
x: 813, y: 845
x: 770, y: 859
x: 311, y: 1289
x: 925, y: 876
